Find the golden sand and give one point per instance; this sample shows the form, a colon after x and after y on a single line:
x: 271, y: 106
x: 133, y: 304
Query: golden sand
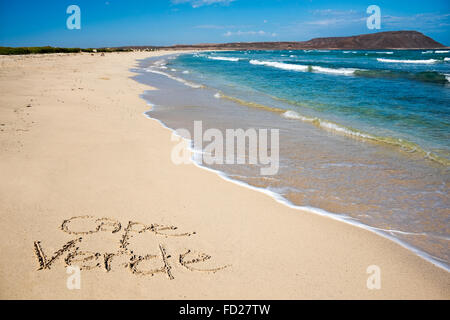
x: 87, y: 180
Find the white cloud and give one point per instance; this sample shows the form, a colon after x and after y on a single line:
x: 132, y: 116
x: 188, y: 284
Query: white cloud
x: 342, y: 18
x: 424, y: 22
x: 335, y: 21
x: 200, y: 3
x: 329, y: 12
x: 249, y: 33
x: 421, y: 19
x: 328, y: 17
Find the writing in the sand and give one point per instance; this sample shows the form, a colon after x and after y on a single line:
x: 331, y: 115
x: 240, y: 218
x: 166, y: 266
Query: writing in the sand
x: 126, y: 255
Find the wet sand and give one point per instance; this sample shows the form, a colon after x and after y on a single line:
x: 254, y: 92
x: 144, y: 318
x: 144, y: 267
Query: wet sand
x: 87, y: 180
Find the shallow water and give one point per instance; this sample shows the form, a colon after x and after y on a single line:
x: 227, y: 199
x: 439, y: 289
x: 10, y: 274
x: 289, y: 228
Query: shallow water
x: 360, y: 146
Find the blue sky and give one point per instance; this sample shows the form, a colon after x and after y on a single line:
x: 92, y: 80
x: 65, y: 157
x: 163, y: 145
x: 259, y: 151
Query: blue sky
x: 107, y: 23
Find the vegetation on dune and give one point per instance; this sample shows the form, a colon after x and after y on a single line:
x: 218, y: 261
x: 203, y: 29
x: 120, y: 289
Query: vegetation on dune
x: 48, y: 49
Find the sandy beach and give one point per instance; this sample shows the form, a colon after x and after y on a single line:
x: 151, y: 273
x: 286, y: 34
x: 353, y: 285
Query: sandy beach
x: 87, y: 180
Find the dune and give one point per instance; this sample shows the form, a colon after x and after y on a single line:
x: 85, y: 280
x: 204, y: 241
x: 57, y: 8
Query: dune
x: 87, y: 182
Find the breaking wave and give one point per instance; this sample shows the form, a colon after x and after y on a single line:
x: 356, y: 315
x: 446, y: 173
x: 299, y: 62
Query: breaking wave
x: 224, y: 58
x: 429, y: 61
x: 304, y: 68
x: 187, y: 83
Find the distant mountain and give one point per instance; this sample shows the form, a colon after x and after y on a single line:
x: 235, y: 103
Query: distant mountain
x: 373, y: 41
x: 380, y: 40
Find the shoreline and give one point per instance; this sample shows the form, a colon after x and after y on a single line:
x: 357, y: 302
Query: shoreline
x: 403, y: 145
x: 92, y: 153
x: 313, y: 210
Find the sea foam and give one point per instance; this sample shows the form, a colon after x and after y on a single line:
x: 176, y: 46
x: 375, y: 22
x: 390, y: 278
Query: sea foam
x: 327, y: 125
x: 304, y: 68
x: 187, y: 83
x: 280, y: 65
x: 296, y: 116
x: 224, y: 59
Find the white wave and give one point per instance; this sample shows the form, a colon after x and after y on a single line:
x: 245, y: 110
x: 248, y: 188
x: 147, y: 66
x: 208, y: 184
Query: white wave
x: 218, y: 95
x: 442, y: 51
x: 447, y: 77
x: 295, y: 116
x: 291, y: 56
x: 417, y: 234
x: 304, y: 68
x: 325, y: 125
x: 277, y: 197
x: 446, y: 59
x: 224, y: 59
x: 387, y: 52
x: 280, y: 65
x: 187, y: 83
x: 429, y: 61
x: 427, y: 52
x: 185, y: 72
x: 161, y: 64
x: 334, y: 127
x: 343, y: 71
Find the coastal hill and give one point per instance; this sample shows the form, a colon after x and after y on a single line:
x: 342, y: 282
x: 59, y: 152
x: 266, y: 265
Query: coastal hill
x: 373, y: 41
x: 381, y: 40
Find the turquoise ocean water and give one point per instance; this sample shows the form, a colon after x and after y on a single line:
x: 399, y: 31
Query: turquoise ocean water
x: 363, y: 134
